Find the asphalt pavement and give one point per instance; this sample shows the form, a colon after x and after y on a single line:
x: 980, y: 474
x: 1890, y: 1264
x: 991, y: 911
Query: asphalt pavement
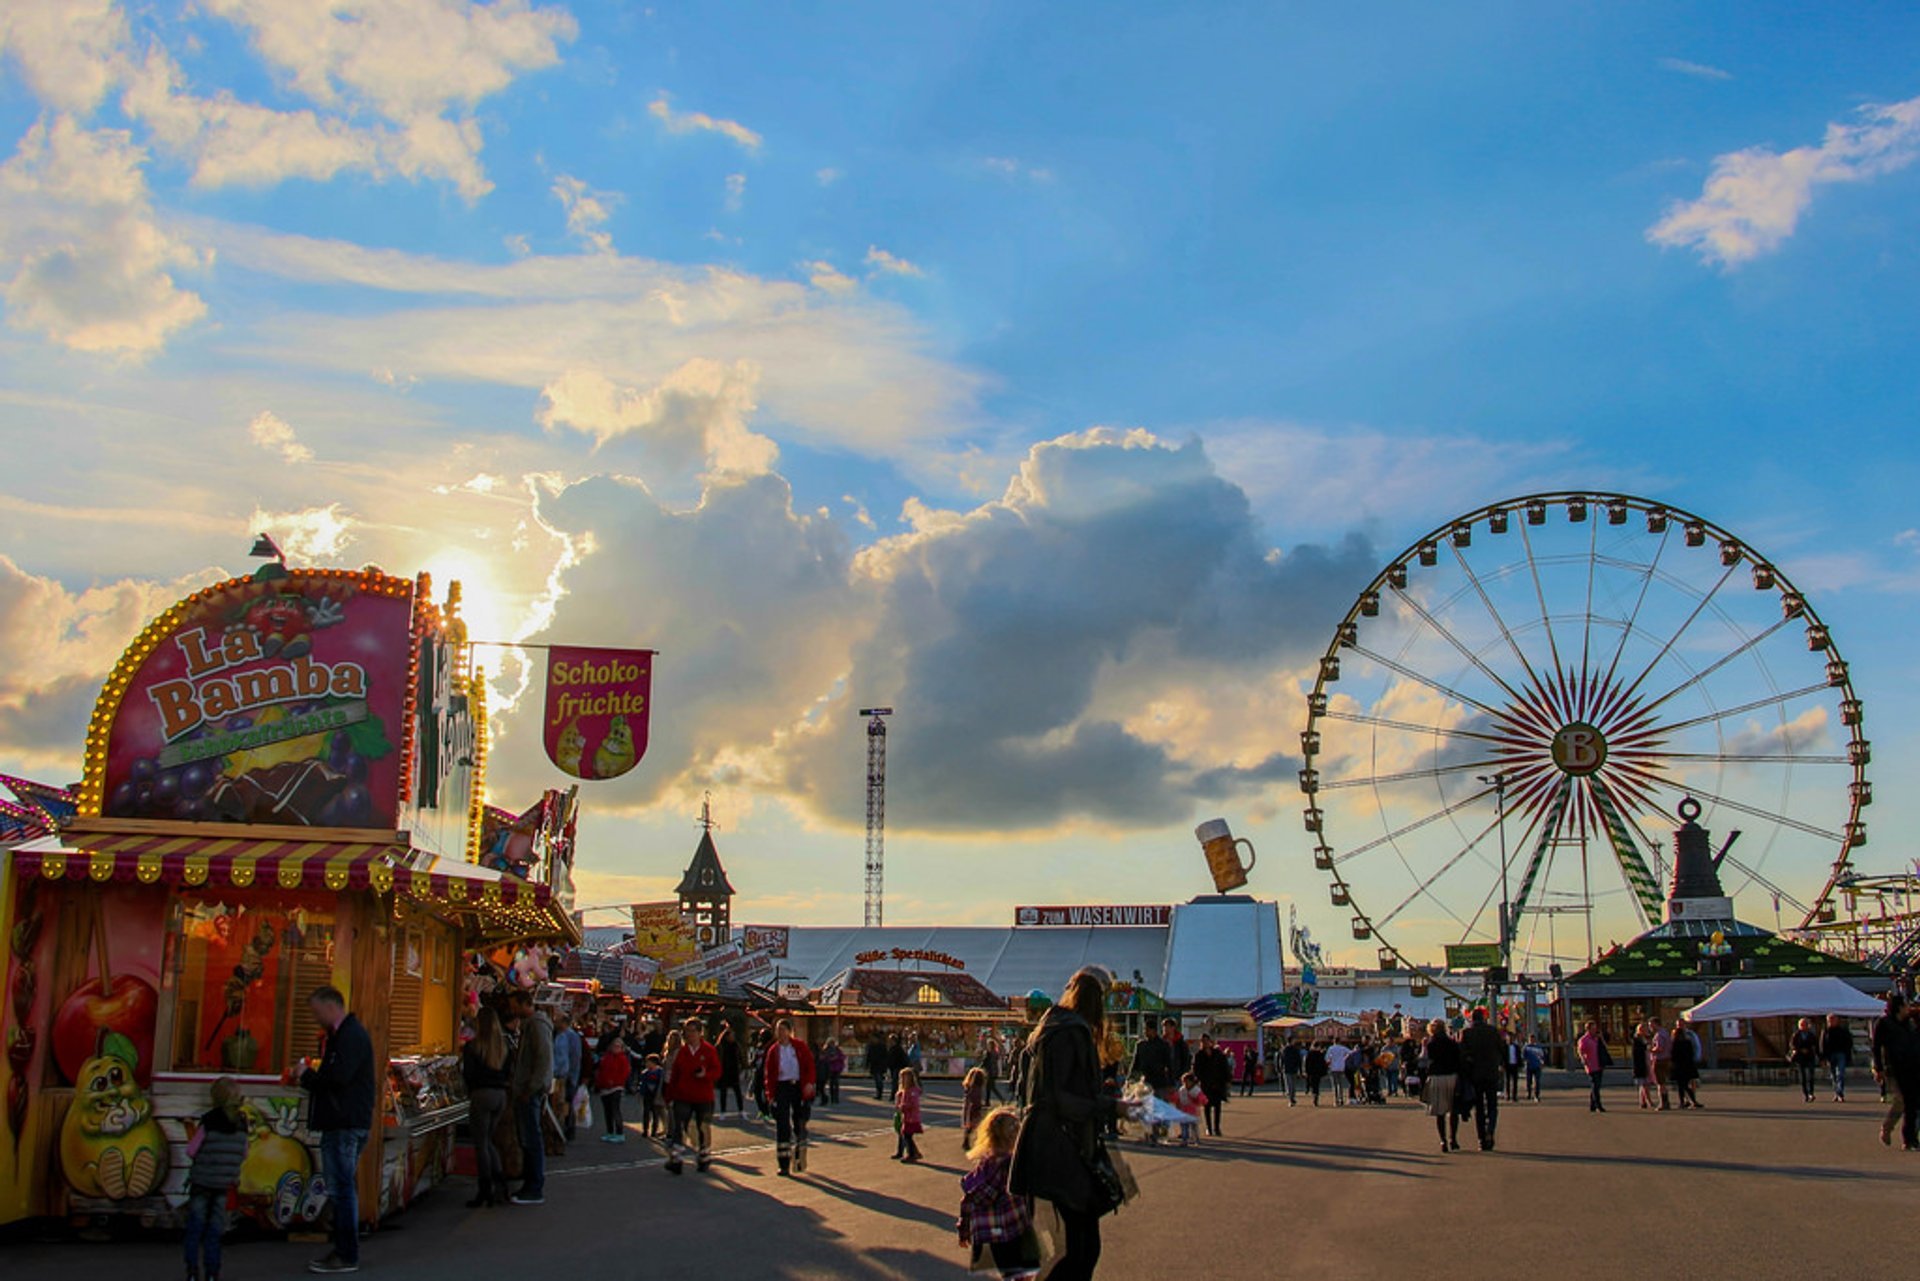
x: 1754, y: 1181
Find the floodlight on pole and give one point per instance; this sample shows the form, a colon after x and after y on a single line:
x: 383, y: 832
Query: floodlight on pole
x: 876, y: 811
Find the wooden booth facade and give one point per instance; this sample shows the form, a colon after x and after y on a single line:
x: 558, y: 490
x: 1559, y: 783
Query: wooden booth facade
x: 283, y: 789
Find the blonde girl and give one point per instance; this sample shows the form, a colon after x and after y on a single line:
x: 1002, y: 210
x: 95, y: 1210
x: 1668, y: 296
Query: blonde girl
x: 992, y: 1220
x: 906, y: 1116
x: 973, y: 1105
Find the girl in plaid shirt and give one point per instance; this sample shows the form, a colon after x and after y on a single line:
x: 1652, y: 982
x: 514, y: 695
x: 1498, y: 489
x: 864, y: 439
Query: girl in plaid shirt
x: 994, y: 1222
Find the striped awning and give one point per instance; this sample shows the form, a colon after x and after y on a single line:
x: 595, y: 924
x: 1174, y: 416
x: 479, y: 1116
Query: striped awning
x: 245, y: 862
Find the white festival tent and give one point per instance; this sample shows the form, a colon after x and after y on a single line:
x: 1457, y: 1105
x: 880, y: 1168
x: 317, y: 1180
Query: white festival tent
x: 1786, y: 998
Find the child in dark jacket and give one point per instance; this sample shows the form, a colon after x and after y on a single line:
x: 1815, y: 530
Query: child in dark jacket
x: 218, y: 1147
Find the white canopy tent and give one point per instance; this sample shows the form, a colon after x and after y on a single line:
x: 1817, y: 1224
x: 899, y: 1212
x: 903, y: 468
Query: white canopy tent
x: 1785, y: 998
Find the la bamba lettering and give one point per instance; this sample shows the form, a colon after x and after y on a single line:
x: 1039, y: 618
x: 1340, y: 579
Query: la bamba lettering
x: 213, y: 691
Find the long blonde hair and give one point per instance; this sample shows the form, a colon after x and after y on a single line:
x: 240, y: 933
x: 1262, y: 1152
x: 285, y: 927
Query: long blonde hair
x: 995, y: 1134
x: 489, y: 1042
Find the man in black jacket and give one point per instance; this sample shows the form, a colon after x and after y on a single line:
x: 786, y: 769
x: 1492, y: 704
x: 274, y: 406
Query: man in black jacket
x: 341, y: 1113
x: 1215, y: 1070
x: 1485, y: 1051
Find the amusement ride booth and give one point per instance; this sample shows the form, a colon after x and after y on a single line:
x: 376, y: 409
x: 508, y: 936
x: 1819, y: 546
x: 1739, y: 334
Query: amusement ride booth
x: 284, y: 780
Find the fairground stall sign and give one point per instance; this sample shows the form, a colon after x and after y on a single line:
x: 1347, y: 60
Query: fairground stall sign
x: 1094, y: 914
x: 903, y: 954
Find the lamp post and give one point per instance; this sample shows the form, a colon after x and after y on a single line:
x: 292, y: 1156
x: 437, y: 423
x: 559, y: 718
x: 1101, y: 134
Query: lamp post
x: 1498, y: 782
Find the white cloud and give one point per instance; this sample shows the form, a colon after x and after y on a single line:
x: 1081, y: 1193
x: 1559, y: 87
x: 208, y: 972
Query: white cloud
x: 587, y: 212
x: 1303, y: 477
x: 1010, y: 168
x: 696, y: 417
x: 87, y: 263
x: 736, y: 191
x: 420, y: 66
x: 235, y: 143
x: 405, y: 58
x: 661, y: 109
x: 1753, y: 199
x: 67, y: 50
x: 310, y: 535
x: 1698, y: 70
x: 824, y: 276
x: 827, y: 177
x: 59, y: 642
x: 837, y: 370
x: 275, y: 435
x: 886, y: 264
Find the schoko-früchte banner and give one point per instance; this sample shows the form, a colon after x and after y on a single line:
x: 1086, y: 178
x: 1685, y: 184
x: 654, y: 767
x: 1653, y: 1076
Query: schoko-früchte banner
x: 597, y: 704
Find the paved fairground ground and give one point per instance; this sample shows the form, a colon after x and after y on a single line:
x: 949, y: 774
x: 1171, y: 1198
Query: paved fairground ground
x: 1758, y: 1183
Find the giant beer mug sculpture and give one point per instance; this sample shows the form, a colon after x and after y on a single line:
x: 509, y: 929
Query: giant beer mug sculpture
x: 1218, y: 843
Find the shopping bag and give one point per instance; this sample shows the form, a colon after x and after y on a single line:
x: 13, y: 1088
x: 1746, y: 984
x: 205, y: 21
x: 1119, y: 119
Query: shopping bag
x: 582, y: 1107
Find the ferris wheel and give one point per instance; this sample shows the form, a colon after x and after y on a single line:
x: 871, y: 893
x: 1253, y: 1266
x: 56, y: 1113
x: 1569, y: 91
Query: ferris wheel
x: 1506, y: 719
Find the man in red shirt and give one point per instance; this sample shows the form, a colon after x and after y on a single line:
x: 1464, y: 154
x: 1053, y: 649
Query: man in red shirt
x: 790, y: 1086
x: 691, y: 1077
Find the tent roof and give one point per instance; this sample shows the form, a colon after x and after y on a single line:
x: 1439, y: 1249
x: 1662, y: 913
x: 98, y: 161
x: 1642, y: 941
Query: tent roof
x: 1788, y: 997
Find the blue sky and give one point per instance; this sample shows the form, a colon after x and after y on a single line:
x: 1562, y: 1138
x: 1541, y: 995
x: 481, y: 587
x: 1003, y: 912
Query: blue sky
x: 729, y: 329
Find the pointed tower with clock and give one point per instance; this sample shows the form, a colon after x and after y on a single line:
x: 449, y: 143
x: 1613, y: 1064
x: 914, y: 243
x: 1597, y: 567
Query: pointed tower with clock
x: 706, y: 896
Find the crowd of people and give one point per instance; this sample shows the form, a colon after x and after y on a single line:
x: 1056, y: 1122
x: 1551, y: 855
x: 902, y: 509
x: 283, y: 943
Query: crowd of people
x: 1045, y: 1171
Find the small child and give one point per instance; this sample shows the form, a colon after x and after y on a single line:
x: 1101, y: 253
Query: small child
x: 610, y: 1082
x: 992, y: 1220
x: 973, y: 1105
x: 652, y: 1077
x: 906, y: 1116
x: 1189, y: 1099
x: 218, y: 1147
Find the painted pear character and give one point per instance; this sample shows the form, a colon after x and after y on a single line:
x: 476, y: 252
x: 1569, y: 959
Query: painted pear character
x: 110, y: 1144
x: 572, y: 748
x: 615, y: 756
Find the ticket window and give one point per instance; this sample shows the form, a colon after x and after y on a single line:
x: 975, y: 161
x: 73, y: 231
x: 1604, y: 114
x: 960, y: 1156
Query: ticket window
x: 241, y: 971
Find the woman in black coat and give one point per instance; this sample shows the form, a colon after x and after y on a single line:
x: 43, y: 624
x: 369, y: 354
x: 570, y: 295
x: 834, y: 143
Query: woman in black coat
x: 1066, y: 1111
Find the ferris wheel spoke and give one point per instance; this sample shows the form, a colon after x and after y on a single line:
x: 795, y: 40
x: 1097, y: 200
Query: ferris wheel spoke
x: 1757, y: 758
x: 1432, y: 684
x: 1437, y: 771
x: 1506, y: 632
x: 1674, y: 639
x: 1423, y: 887
x: 1525, y: 837
x: 1777, y: 891
x: 1427, y: 617
x: 1755, y: 811
x: 1745, y: 647
x: 1414, y: 826
x: 1646, y: 584
x: 1540, y: 594
x: 1360, y: 718
x: 1756, y: 705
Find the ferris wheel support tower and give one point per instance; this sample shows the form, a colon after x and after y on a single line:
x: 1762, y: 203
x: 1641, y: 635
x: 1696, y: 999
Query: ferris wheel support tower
x: 876, y: 811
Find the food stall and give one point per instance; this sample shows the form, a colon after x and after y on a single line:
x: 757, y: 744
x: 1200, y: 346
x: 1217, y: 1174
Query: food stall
x: 283, y: 781
x: 946, y: 1010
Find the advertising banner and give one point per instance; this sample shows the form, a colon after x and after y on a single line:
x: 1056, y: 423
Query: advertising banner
x: 1094, y: 914
x: 659, y: 931
x: 771, y: 939
x: 268, y: 700
x: 636, y: 975
x: 597, y: 704
x: 1472, y: 956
